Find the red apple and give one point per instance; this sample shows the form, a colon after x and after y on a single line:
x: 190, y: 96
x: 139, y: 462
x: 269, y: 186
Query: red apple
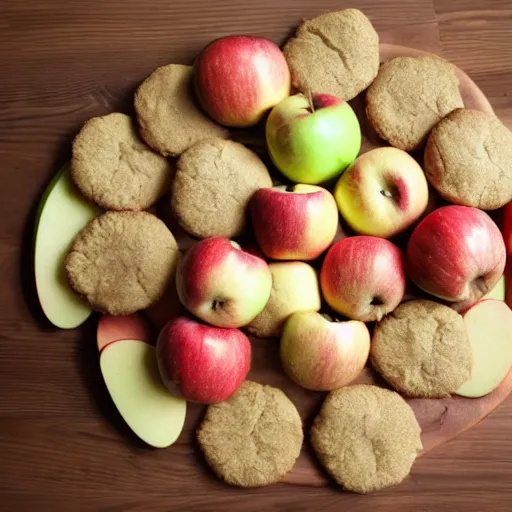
x: 238, y: 78
x: 456, y: 253
x: 294, y: 223
x: 201, y: 363
x: 363, y: 278
x: 221, y: 284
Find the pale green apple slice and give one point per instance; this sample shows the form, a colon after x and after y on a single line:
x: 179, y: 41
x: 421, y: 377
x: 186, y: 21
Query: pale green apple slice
x: 489, y: 327
x: 131, y: 374
x: 498, y: 292
x: 62, y: 215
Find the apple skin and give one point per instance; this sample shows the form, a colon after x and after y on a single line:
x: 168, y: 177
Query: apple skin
x: 363, y: 277
x: 296, y: 224
x: 322, y: 355
x: 313, y: 143
x: 456, y: 253
x: 507, y: 227
x: 201, y: 363
x: 238, y: 78
x: 221, y: 284
x: 382, y: 193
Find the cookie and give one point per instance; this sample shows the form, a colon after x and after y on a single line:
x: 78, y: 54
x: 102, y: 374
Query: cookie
x: 366, y: 437
x: 113, y: 168
x: 170, y: 121
x: 121, y: 262
x: 409, y: 96
x: 335, y: 53
x: 468, y: 159
x: 422, y: 349
x: 252, y: 439
x: 214, y: 182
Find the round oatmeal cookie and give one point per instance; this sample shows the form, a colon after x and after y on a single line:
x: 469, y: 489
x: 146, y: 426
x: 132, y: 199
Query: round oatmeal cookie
x: 113, y: 168
x: 169, y: 119
x: 335, y: 53
x: 214, y: 181
x: 366, y: 437
x: 252, y: 439
x: 121, y: 262
x: 422, y: 349
x: 468, y: 159
x: 409, y: 96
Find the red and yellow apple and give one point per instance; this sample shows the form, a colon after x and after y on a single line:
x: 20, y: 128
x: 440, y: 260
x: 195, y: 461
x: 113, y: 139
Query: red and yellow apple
x: 238, y: 78
x: 221, y: 284
x: 322, y: 355
x: 201, y: 363
x: 294, y: 223
x: 456, y: 253
x: 382, y: 193
x: 312, y: 140
x: 363, y: 277
x: 489, y: 327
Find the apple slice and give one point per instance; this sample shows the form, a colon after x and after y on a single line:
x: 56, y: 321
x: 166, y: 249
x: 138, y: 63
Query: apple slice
x: 489, y: 326
x: 130, y: 372
x: 129, y: 327
x: 498, y: 292
x: 62, y: 215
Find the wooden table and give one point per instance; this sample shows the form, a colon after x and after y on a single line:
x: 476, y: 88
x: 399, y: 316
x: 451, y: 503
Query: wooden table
x: 62, y: 446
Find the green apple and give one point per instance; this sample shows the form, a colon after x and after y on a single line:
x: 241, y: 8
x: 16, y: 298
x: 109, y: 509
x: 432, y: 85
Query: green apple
x: 313, y: 140
x: 130, y: 371
x: 62, y: 215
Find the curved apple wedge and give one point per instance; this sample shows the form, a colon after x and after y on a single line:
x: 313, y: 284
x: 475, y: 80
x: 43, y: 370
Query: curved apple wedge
x: 131, y: 375
x: 62, y: 215
x: 129, y: 327
x: 489, y: 326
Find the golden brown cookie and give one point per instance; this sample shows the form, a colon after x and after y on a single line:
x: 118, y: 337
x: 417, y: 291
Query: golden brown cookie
x: 169, y: 119
x: 335, y: 53
x: 409, y: 96
x: 252, y: 439
x: 468, y: 159
x: 113, y: 168
x: 366, y: 437
x: 422, y: 349
x: 214, y: 182
x: 121, y: 262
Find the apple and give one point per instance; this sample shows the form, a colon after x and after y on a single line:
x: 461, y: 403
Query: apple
x: 456, y: 253
x: 294, y: 288
x: 62, y: 214
x: 128, y: 327
x: 489, y: 326
x: 322, y: 355
x: 507, y: 227
x: 221, y: 284
x: 382, y: 193
x: 297, y: 222
x: 202, y: 363
x: 238, y: 78
x: 130, y: 372
x: 363, y: 277
x: 498, y: 292
x: 312, y: 140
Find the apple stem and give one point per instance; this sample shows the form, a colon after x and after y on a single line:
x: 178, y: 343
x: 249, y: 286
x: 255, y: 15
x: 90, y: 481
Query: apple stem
x: 310, y: 101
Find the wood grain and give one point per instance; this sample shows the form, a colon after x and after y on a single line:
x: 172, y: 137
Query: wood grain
x: 63, y: 446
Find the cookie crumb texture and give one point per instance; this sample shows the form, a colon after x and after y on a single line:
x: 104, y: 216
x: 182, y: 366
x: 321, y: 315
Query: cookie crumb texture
x: 113, y: 168
x: 335, y: 53
x: 366, y: 437
x: 214, y: 182
x: 422, y: 349
x: 170, y: 121
x: 409, y: 96
x: 468, y: 159
x: 121, y: 262
x: 252, y: 439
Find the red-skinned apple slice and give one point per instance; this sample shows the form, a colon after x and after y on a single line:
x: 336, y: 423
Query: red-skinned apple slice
x: 489, y: 326
x: 131, y: 375
x: 62, y: 215
x: 129, y: 327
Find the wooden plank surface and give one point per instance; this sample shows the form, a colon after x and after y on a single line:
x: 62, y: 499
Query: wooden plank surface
x: 62, y: 445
